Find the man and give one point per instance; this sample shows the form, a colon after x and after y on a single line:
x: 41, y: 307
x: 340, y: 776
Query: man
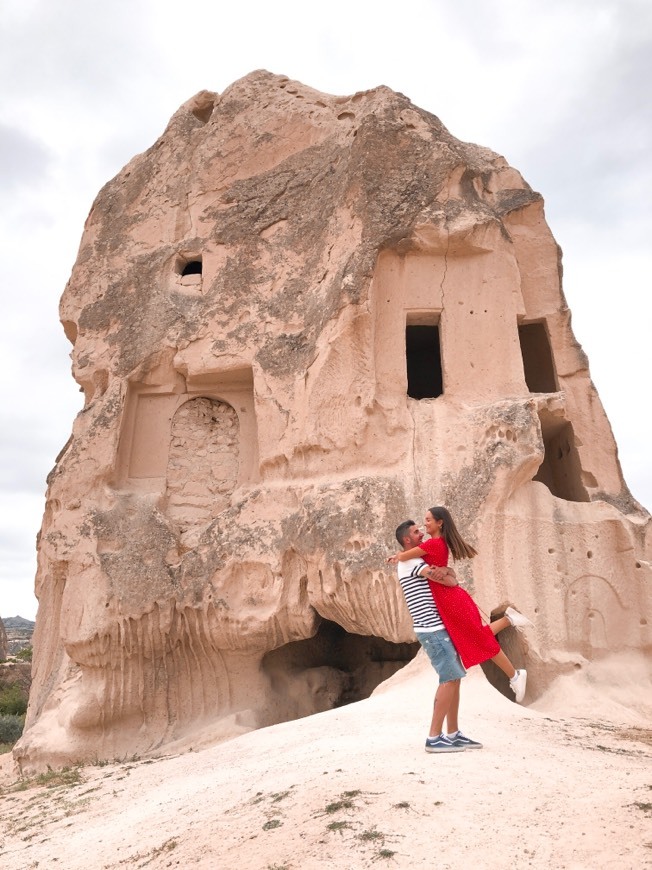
x: 413, y: 576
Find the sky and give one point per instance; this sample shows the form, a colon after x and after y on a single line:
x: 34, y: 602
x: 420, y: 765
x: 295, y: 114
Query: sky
x: 560, y: 88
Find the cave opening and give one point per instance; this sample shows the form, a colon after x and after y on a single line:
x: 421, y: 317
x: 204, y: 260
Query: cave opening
x: 561, y: 469
x: 331, y: 669
x: 192, y: 267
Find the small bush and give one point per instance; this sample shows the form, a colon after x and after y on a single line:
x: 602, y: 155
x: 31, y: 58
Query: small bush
x: 24, y: 655
x: 336, y: 806
x: 11, y: 727
x: 384, y: 853
x: 272, y: 823
x: 65, y: 777
x: 279, y: 796
x: 337, y: 826
x: 371, y: 834
x: 13, y: 701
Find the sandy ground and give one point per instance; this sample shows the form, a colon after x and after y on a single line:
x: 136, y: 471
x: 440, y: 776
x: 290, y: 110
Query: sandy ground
x: 565, y: 785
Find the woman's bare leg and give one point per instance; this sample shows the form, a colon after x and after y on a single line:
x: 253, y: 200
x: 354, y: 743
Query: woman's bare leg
x: 504, y: 664
x: 499, y: 624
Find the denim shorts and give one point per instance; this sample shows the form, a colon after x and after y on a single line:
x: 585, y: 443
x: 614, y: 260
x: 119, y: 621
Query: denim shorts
x: 442, y: 654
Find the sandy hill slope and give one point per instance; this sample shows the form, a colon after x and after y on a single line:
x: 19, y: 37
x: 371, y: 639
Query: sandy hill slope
x: 566, y: 785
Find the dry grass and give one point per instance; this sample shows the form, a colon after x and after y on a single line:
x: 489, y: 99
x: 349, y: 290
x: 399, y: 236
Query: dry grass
x: 642, y: 735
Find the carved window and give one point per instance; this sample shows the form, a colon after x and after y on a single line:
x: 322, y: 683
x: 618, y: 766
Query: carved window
x: 423, y: 357
x: 188, y: 272
x: 192, y: 267
x: 538, y: 365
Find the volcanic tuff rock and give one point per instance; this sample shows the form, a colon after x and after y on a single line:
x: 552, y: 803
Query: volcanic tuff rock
x: 19, y: 633
x: 3, y: 641
x: 298, y: 319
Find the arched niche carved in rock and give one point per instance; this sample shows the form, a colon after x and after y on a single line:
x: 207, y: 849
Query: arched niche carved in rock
x: 595, y: 616
x: 147, y: 439
x: 203, y: 462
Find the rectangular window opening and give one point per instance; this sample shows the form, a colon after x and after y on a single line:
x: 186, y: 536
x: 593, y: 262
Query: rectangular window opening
x: 538, y: 365
x: 423, y: 358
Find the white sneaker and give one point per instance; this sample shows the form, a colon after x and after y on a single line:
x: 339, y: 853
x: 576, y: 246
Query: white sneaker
x: 517, y: 619
x: 517, y: 684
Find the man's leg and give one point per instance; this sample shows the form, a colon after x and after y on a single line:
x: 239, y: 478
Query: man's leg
x: 451, y: 717
x: 446, y: 698
x: 446, y: 662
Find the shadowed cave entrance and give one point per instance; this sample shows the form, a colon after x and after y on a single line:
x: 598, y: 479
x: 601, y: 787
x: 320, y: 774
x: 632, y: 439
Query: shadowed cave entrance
x: 561, y: 469
x: 331, y: 669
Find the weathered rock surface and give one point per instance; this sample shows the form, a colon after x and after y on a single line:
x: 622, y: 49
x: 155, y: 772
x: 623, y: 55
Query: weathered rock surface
x: 298, y: 319
x: 3, y: 641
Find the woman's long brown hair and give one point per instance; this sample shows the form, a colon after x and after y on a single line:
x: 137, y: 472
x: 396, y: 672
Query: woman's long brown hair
x: 456, y: 544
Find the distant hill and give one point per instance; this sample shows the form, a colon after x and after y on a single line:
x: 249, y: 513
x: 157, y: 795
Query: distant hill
x: 19, y: 633
x: 18, y: 622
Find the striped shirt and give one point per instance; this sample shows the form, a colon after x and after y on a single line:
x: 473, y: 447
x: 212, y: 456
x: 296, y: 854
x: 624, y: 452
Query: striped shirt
x: 418, y: 596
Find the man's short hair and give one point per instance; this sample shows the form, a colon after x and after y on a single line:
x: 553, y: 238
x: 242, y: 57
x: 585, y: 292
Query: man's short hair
x: 402, y: 531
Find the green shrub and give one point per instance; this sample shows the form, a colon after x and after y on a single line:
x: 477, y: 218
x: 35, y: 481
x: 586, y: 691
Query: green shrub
x: 11, y: 727
x: 13, y: 700
x: 24, y: 655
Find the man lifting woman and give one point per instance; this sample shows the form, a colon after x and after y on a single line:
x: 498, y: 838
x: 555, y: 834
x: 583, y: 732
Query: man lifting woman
x: 447, y: 621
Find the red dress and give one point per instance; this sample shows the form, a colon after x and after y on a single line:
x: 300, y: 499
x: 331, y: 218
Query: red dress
x: 473, y: 640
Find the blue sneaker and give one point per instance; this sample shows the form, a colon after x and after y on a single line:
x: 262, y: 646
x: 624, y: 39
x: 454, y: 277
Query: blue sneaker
x: 442, y: 744
x: 462, y: 740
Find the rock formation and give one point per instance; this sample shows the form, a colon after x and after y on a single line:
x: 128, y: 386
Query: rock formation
x: 298, y: 319
x: 3, y: 642
x: 19, y: 633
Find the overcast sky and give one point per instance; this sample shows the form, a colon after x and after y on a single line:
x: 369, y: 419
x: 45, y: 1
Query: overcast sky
x: 561, y: 88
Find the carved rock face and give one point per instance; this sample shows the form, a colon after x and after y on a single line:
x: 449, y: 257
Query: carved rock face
x: 297, y: 320
x: 202, y: 465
